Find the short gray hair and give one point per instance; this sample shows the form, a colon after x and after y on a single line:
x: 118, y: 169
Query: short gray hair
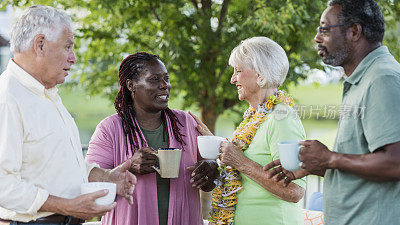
x: 265, y: 56
x: 35, y: 20
x: 364, y: 12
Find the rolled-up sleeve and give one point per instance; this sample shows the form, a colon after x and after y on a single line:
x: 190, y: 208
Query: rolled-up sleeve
x: 16, y: 194
x: 101, y: 148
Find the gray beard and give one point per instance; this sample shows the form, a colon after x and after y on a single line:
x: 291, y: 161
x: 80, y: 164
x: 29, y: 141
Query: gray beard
x: 337, y: 58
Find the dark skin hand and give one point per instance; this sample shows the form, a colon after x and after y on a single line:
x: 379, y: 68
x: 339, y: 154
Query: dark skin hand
x: 234, y: 157
x: 143, y: 160
x: 275, y: 170
x: 315, y: 157
x: 204, y: 173
x: 382, y: 165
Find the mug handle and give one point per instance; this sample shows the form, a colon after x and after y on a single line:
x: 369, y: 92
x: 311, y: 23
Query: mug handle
x: 300, y: 163
x: 155, y: 168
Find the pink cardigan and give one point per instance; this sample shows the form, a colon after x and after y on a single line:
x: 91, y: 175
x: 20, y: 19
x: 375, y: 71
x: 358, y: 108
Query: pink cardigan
x: 108, y: 149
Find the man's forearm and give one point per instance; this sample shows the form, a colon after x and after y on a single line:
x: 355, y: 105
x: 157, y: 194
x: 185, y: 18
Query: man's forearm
x: 99, y: 175
x: 379, y: 166
x: 83, y: 206
x: 55, y: 204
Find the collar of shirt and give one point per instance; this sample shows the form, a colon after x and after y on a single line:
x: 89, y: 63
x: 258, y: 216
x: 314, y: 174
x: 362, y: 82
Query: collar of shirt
x: 31, y: 83
x: 365, y: 63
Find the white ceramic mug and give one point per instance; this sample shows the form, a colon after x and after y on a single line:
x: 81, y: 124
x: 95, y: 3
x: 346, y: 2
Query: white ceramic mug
x: 169, y: 160
x: 289, y: 154
x: 209, y: 146
x: 90, y: 187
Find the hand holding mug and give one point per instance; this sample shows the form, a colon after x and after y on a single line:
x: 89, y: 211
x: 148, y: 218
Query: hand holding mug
x: 231, y: 155
x: 275, y: 170
x: 316, y: 157
x: 209, y: 146
x: 143, y: 161
x: 91, y: 187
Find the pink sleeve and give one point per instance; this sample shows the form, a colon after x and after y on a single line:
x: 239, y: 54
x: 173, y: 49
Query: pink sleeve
x: 193, y: 132
x: 101, y: 148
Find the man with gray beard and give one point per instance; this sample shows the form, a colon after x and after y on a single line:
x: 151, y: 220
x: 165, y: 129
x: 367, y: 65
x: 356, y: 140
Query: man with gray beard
x: 362, y: 173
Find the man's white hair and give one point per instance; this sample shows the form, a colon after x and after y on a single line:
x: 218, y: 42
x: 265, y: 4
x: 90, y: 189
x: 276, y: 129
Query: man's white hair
x: 35, y: 20
x: 264, y: 56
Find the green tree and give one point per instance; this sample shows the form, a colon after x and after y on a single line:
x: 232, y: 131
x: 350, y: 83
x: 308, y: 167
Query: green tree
x: 193, y: 37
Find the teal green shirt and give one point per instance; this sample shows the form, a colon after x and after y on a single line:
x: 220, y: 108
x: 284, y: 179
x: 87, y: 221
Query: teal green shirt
x: 369, y: 120
x: 158, y: 139
x: 255, y: 204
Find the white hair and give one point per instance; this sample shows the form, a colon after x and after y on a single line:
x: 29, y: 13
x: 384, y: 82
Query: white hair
x: 265, y: 57
x: 35, y: 20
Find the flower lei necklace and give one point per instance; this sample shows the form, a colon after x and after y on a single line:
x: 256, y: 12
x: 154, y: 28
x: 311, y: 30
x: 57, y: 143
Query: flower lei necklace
x: 224, y: 197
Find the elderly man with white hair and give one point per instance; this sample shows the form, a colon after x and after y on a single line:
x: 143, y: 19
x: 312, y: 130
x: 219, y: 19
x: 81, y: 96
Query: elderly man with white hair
x: 41, y: 162
x: 244, y: 194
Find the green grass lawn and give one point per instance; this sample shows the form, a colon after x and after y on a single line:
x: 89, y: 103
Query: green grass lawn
x: 88, y: 111
x: 322, y: 102
x: 315, y: 94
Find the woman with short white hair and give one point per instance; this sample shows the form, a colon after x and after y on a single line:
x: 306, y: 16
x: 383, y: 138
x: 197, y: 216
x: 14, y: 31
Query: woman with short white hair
x: 244, y: 194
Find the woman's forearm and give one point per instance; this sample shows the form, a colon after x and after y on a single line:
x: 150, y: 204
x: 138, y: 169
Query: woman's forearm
x: 253, y: 170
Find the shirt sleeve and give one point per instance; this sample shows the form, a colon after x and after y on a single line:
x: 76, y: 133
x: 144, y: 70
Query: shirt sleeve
x: 16, y: 194
x: 101, y: 150
x: 381, y: 120
x: 284, y: 125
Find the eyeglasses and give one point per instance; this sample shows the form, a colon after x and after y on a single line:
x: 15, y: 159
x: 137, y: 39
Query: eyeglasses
x: 323, y: 30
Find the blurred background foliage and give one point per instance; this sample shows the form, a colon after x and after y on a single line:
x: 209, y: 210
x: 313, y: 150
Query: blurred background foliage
x: 194, y: 39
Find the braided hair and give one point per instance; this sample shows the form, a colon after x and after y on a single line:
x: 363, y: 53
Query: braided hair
x: 131, y: 68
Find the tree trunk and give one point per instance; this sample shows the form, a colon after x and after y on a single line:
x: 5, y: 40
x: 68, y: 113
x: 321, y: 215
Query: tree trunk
x: 209, y: 117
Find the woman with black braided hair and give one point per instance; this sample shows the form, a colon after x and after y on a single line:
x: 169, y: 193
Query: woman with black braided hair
x: 144, y: 122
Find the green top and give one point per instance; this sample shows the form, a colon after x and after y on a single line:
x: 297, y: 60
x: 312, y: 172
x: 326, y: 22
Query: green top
x: 158, y: 139
x: 369, y: 119
x: 255, y: 204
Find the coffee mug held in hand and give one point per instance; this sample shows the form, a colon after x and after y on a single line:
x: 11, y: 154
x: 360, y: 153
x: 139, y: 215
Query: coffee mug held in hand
x: 169, y: 160
x: 90, y: 187
x: 209, y: 146
x: 289, y: 154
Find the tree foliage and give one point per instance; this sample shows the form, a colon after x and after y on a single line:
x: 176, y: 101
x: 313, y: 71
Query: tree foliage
x: 194, y: 39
